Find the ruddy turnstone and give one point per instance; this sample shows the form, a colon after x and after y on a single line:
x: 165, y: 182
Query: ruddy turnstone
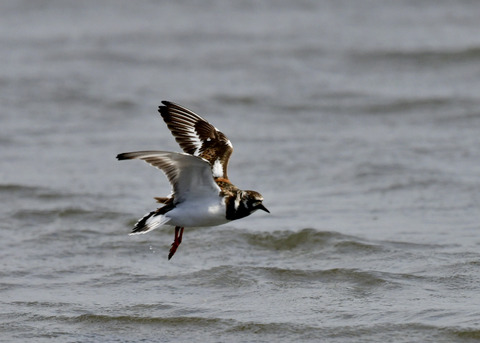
x: 202, y: 194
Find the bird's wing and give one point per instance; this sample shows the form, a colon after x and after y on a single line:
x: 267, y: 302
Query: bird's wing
x: 190, y: 176
x: 198, y: 137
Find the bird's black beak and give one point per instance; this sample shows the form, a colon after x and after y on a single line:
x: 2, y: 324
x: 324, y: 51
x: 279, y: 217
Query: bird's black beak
x: 261, y: 207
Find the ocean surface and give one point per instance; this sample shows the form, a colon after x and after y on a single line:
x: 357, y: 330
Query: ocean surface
x: 358, y: 121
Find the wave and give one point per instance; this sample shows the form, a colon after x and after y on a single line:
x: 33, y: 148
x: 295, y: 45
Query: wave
x: 229, y: 276
x: 430, y: 57
x: 287, y: 240
x: 19, y: 189
x: 230, y: 328
x: 410, y: 105
x: 219, y: 326
x: 335, y: 275
x: 231, y: 99
x: 168, y: 320
x: 224, y: 276
x: 307, y: 238
x: 173, y: 328
x: 36, y: 192
x: 442, y: 108
x: 470, y: 334
x: 65, y: 213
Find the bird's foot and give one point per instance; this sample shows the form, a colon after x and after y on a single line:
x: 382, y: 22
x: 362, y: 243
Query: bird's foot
x: 176, y: 242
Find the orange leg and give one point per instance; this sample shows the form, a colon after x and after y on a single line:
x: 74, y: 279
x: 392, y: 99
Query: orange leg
x: 177, y: 241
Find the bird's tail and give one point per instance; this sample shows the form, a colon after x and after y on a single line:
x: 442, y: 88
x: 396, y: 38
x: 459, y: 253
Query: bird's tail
x: 149, y: 222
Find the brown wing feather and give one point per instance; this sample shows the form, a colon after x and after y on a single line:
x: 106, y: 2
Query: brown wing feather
x: 197, y: 137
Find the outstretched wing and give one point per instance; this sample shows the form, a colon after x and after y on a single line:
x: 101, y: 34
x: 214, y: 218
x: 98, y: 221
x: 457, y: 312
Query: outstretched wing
x: 189, y: 175
x: 198, y: 137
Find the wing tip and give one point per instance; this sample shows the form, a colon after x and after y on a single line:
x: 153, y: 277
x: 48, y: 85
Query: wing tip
x: 123, y: 156
x: 163, y: 110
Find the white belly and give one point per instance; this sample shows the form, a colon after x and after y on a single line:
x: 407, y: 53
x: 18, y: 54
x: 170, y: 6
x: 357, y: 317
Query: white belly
x: 198, y: 212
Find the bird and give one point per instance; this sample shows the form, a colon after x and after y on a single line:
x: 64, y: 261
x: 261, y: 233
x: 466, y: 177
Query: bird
x: 202, y: 194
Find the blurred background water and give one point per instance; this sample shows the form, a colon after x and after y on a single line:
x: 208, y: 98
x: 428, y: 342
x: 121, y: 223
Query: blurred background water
x: 358, y: 121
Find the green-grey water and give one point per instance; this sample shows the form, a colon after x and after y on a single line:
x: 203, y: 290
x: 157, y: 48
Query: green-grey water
x: 357, y: 121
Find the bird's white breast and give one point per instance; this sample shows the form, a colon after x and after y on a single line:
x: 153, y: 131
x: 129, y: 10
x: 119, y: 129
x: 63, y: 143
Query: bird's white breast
x: 199, y: 212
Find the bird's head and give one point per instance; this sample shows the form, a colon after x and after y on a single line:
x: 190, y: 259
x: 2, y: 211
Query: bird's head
x: 253, y: 201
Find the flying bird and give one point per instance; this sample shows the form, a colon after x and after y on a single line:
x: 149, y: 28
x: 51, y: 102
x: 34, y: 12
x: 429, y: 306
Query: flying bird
x: 202, y: 194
